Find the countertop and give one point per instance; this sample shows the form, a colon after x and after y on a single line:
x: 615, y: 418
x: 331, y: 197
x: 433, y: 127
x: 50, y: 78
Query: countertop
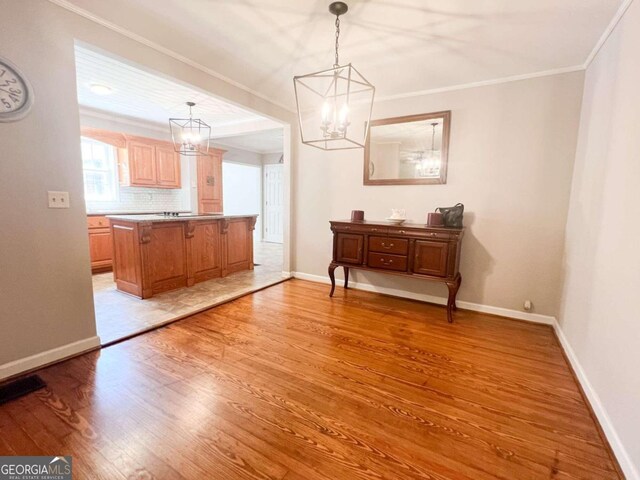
x: 99, y: 213
x: 155, y: 218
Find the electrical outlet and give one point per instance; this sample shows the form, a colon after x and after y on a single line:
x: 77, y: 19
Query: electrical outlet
x: 58, y: 199
x: 528, y: 305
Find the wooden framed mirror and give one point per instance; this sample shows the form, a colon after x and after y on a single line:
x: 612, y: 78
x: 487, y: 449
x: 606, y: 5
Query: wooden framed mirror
x: 411, y: 150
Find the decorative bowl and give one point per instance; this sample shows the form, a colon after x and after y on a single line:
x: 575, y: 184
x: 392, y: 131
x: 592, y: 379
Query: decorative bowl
x: 396, y: 221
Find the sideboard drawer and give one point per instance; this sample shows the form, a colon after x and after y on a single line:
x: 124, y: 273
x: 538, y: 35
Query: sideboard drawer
x: 388, y: 262
x: 359, y: 228
x: 398, y: 246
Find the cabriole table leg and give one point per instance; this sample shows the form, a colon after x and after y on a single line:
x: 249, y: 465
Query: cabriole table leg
x: 332, y: 276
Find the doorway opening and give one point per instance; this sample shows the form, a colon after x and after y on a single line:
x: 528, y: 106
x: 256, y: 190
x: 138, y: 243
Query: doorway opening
x: 132, y: 171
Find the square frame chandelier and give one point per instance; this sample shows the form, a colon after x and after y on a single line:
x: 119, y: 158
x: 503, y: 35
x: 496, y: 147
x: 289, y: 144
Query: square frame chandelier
x: 334, y: 105
x: 190, y: 135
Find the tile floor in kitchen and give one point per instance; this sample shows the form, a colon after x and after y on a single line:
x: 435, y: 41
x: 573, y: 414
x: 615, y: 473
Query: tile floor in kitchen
x: 119, y: 315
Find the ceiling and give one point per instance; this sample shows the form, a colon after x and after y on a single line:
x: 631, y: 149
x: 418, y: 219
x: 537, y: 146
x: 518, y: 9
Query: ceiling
x: 401, y: 46
x: 268, y: 141
x: 146, y: 96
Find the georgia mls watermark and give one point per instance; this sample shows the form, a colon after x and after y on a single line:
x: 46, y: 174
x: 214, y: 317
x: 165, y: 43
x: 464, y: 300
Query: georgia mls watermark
x: 35, y: 468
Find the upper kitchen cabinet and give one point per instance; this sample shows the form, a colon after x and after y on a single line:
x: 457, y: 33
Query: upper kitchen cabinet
x: 142, y: 162
x: 167, y: 166
x: 139, y: 168
x: 150, y: 163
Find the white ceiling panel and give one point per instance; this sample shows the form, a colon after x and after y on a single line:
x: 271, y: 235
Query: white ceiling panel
x: 140, y: 94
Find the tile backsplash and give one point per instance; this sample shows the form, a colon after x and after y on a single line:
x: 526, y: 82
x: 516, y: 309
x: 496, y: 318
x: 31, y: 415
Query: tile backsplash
x: 142, y: 199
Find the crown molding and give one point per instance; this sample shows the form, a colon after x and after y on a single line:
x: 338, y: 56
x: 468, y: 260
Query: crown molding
x: 609, y: 30
x: 166, y: 51
x: 483, y: 83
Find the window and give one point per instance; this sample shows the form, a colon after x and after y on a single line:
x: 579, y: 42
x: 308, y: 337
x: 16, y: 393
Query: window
x: 99, y: 166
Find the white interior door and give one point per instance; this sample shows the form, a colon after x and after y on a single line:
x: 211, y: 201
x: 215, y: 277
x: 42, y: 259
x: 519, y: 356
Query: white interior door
x: 273, y: 194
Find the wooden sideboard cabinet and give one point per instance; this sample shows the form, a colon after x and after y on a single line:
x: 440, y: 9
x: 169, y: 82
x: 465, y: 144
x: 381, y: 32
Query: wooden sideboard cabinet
x: 410, y: 250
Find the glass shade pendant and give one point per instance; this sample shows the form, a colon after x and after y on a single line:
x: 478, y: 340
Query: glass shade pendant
x: 190, y: 135
x: 334, y: 105
x: 429, y: 163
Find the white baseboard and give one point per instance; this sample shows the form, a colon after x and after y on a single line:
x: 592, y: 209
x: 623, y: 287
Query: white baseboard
x: 476, y: 307
x: 50, y: 356
x: 618, y: 448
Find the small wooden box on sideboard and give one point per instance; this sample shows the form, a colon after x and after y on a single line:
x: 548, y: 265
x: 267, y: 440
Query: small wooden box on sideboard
x: 410, y: 250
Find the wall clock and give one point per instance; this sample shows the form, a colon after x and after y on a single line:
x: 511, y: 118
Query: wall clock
x: 16, y: 95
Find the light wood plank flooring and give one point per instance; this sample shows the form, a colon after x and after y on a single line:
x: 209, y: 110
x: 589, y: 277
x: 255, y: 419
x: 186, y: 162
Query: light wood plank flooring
x: 289, y: 384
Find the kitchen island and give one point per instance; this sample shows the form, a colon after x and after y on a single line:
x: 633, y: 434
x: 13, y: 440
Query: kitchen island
x: 158, y: 253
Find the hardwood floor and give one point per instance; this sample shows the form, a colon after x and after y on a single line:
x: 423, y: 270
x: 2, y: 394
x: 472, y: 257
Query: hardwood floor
x: 289, y: 384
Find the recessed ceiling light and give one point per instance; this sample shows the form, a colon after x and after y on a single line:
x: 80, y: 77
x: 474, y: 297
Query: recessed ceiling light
x: 100, y: 89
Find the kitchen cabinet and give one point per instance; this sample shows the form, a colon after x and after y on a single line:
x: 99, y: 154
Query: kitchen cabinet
x: 150, y: 163
x: 100, y: 244
x: 141, y: 164
x: 209, y: 172
x: 142, y: 161
x: 167, y: 167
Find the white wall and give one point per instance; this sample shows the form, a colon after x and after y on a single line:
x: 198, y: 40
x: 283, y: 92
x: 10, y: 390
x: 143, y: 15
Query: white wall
x: 45, y: 296
x: 242, y: 186
x: 511, y: 157
x: 599, y: 316
x: 45, y: 290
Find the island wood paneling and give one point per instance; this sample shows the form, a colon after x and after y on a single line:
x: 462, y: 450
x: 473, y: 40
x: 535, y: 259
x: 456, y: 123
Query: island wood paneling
x: 206, y: 253
x: 126, y: 259
x: 167, y: 260
x: 239, y: 246
x: 289, y: 384
x: 174, y: 254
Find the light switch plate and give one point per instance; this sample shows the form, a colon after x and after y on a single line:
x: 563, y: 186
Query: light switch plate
x: 58, y: 199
